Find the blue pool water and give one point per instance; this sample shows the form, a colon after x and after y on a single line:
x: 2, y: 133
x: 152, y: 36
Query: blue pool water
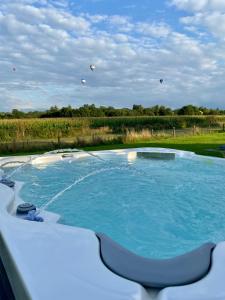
x: 155, y: 208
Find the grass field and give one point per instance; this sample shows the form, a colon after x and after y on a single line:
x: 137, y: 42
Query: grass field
x: 207, y: 144
x: 28, y: 129
x: 203, y: 145
x: 200, y: 134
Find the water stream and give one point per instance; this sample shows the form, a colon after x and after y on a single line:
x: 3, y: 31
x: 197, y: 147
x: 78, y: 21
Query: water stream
x: 108, y: 167
x: 77, y: 181
x: 23, y: 164
x: 18, y: 168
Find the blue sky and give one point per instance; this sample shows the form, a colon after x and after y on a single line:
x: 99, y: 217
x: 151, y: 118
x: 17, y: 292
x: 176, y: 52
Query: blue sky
x: 137, y: 10
x: 148, y: 10
x: 51, y: 44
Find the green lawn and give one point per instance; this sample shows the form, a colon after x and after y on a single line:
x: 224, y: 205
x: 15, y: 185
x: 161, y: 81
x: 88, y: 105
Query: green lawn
x: 204, y: 145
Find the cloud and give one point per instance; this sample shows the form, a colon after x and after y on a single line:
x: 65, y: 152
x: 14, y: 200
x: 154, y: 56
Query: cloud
x: 214, y: 22
x: 199, y: 5
x: 207, y: 14
x: 52, y: 48
x: 154, y: 29
x: 121, y: 23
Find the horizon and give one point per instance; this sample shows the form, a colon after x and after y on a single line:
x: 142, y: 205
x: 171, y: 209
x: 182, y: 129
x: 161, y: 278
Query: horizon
x: 47, y: 48
x: 41, y: 109
x: 106, y: 106
x: 131, y: 108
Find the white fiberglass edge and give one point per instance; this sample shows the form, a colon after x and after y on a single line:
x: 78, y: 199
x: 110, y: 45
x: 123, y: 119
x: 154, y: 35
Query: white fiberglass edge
x: 62, y: 262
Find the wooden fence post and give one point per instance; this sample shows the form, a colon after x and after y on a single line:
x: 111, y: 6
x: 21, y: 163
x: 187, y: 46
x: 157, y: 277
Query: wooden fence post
x: 174, y: 131
x: 194, y: 129
x: 59, y: 138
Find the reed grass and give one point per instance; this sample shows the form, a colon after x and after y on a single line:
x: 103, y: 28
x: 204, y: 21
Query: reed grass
x: 31, y: 135
x: 22, y: 129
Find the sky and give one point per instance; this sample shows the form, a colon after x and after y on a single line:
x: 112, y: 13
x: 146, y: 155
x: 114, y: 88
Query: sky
x: 47, y: 46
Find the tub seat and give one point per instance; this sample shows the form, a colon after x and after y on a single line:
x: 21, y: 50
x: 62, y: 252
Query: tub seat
x: 184, y: 269
x: 211, y: 287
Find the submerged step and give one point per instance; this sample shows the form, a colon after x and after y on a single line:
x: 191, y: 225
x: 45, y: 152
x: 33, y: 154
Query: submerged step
x: 156, y: 155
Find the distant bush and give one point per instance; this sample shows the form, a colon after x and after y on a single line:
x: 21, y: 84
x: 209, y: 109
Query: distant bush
x: 121, y: 124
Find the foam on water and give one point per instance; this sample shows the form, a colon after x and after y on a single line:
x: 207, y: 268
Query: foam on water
x: 155, y: 208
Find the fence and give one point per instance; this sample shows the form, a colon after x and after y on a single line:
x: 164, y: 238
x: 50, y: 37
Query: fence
x: 188, y: 131
x: 25, y: 143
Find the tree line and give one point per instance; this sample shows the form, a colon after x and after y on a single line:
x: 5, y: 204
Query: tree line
x: 103, y: 111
